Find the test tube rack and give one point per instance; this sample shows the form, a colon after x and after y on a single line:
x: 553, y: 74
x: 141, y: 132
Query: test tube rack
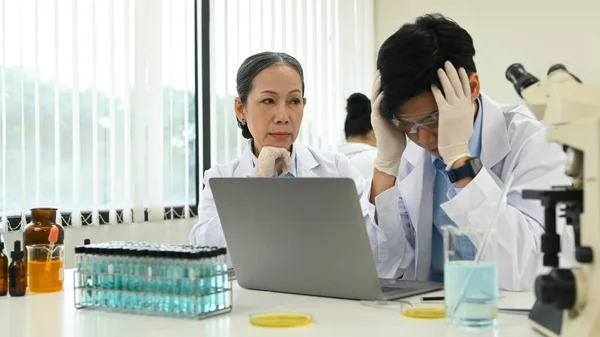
x: 166, y: 280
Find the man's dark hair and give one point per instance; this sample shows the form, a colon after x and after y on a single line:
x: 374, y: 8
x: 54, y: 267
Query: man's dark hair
x: 358, y: 119
x: 408, y: 60
x: 251, y: 67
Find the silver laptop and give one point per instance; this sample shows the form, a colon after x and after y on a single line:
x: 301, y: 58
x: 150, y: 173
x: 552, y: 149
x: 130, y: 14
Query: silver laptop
x: 302, y: 236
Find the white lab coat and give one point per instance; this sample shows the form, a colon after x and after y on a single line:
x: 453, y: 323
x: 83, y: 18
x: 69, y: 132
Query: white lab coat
x: 310, y: 163
x: 361, y: 156
x: 540, y: 165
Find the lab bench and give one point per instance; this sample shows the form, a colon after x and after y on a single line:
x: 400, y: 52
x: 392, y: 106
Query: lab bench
x: 54, y: 315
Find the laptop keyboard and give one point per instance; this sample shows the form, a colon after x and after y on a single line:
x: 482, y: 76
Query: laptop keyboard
x: 391, y: 285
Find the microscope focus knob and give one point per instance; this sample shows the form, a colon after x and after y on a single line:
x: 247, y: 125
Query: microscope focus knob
x: 556, y: 288
x: 584, y: 254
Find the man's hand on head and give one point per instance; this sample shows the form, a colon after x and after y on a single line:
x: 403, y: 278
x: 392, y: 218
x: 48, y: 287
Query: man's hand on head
x: 455, y: 114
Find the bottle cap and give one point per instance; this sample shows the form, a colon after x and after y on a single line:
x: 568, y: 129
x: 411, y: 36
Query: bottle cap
x: 87, y: 242
x: 17, y: 254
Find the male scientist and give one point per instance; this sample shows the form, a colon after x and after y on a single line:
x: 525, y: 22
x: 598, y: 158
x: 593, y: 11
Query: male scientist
x: 462, y: 148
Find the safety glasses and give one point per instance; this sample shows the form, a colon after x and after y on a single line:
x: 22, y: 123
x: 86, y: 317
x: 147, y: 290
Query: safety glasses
x: 411, y: 127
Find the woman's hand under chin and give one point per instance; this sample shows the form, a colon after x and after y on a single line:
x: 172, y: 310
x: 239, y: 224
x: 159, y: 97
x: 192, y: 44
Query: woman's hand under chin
x: 272, y: 159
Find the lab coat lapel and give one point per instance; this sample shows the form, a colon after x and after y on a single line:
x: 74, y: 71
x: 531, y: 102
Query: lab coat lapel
x: 306, y: 162
x: 245, y: 167
x: 495, y: 144
x: 416, y: 190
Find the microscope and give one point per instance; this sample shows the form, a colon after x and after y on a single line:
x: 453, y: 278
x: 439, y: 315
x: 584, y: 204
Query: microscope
x: 567, y: 300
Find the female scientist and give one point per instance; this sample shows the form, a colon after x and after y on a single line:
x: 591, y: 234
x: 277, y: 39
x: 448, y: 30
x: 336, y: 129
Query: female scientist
x: 360, y: 147
x: 269, y: 110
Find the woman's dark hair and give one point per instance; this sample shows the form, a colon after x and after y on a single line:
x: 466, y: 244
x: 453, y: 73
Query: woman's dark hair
x: 251, y: 67
x: 358, y: 119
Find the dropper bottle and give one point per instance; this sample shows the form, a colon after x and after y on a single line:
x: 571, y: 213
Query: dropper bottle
x: 17, y: 272
x: 3, y: 271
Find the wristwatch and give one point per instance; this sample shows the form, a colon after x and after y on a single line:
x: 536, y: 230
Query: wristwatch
x: 470, y: 169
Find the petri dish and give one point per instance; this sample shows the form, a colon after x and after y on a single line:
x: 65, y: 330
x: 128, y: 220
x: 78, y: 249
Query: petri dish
x: 423, y: 310
x: 281, y: 320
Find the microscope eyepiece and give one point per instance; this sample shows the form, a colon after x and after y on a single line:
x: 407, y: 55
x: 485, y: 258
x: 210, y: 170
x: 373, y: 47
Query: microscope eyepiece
x: 556, y: 67
x: 520, y: 78
x: 559, y: 66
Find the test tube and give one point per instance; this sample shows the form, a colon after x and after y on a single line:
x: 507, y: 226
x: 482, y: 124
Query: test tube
x: 93, y: 282
x: 225, y: 289
x: 195, y: 302
x: 108, y: 268
x: 167, y: 271
x: 155, y: 286
x: 214, y: 278
x: 126, y: 275
x: 148, y: 285
x: 80, y: 285
x: 188, y: 289
x: 203, y: 281
x: 179, y: 274
x: 139, y: 285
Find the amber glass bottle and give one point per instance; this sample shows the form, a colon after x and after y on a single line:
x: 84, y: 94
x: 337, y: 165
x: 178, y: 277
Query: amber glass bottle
x: 3, y: 271
x: 38, y: 230
x: 17, y: 272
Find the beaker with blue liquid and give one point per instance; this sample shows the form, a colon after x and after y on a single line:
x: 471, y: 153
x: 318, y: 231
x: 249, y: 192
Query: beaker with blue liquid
x: 470, y: 286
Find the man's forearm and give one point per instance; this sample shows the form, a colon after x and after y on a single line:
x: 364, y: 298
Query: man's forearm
x: 381, y: 182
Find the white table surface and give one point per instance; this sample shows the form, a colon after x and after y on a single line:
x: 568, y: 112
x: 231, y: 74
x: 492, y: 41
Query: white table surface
x: 53, y: 315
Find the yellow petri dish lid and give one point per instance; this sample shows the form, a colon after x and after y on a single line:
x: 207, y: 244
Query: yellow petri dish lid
x: 423, y: 310
x: 280, y: 320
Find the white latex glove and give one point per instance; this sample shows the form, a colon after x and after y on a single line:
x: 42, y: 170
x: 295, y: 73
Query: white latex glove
x: 391, y: 142
x: 270, y: 160
x: 455, y: 114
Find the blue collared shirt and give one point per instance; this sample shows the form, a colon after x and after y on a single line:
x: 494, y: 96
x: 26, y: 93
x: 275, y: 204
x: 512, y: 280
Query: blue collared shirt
x: 443, y: 190
x: 291, y: 174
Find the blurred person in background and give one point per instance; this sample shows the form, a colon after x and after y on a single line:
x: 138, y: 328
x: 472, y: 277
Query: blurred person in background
x: 361, y: 143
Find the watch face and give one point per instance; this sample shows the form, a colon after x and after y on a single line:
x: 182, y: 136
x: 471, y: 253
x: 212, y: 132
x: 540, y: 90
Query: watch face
x: 476, y: 165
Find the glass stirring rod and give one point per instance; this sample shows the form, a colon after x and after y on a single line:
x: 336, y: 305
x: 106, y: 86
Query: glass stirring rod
x: 52, y: 239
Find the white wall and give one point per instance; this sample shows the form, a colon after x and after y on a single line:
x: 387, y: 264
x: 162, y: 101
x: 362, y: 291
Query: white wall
x: 175, y: 231
x: 536, y: 33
